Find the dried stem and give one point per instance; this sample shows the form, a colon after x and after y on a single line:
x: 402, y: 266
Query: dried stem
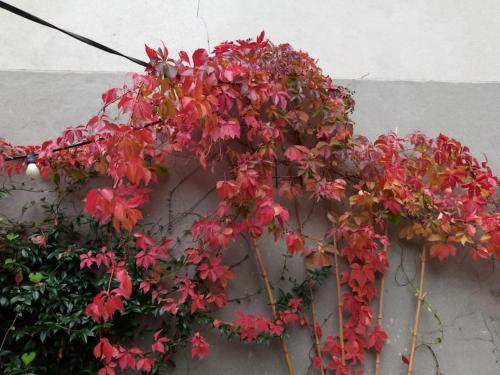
x: 7, y: 332
x: 110, y: 279
x: 380, y: 316
x: 339, y: 300
x: 420, y: 299
x: 272, y: 302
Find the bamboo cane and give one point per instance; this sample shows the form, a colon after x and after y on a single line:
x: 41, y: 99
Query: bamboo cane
x: 420, y: 299
x: 272, y: 302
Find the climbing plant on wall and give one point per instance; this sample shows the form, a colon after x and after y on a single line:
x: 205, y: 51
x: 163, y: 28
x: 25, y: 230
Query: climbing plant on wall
x: 280, y: 131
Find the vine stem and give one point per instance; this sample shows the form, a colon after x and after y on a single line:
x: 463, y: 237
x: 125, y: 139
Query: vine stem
x: 110, y: 279
x: 380, y: 316
x: 420, y: 299
x: 272, y: 302
x: 7, y: 332
x: 339, y: 300
x: 317, y: 343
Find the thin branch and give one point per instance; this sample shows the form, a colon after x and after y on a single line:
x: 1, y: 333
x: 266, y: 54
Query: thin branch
x: 184, y: 179
x: 7, y: 332
x: 434, y: 357
x: 234, y: 265
x: 110, y: 279
x: 177, y: 219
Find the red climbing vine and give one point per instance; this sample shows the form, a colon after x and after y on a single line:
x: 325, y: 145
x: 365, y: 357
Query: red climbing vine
x: 255, y: 109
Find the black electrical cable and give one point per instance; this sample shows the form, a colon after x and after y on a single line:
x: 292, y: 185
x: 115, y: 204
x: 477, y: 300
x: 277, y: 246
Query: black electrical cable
x: 28, y: 16
x: 75, y: 145
x: 33, y: 18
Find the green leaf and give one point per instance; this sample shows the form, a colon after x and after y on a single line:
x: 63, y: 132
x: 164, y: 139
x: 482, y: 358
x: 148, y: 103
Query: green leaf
x: 9, y: 261
x: 35, y: 277
x: 4, y: 194
x: 11, y: 236
x: 27, y: 358
x: 161, y: 169
x: 437, y: 340
x: 56, y: 178
x: 337, y: 144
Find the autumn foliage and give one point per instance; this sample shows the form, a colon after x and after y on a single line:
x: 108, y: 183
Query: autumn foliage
x: 281, y: 129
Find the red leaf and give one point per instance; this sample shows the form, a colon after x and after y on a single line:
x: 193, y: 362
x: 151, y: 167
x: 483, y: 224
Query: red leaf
x: 294, y: 242
x: 296, y: 153
x: 200, y: 57
x: 125, y: 283
x: 230, y: 129
x: 104, y: 350
x: 443, y: 250
x: 109, y: 96
x: 127, y: 360
x: 151, y: 52
x: 145, y: 364
x: 199, y: 346
x: 142, y: 111
x: 113, y: 304
x: 184, y: 56
x: 260, y: 38
x: 405, y: 359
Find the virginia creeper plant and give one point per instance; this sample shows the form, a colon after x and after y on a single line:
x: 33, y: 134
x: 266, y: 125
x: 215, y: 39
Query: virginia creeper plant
x: 280, y: 130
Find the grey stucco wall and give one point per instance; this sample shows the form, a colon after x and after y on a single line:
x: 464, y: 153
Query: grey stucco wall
x: 465, y: 295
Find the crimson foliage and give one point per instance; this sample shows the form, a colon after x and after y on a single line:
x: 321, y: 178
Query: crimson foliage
x: 259, y: 108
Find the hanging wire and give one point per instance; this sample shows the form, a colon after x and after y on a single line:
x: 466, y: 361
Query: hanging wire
x: 90, y: 42
x: 102, y: 47
x: 75, y: 145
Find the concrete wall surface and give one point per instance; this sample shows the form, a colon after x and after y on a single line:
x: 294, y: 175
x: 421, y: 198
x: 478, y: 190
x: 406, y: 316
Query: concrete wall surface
x: 464, y: 295
x: 444, y: 40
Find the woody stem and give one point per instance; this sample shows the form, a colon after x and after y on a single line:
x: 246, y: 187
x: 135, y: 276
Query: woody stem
x: 420, y: 300
x: 272, y: 302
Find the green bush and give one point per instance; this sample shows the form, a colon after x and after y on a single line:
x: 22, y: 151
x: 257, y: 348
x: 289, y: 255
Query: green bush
x: 43, y: 325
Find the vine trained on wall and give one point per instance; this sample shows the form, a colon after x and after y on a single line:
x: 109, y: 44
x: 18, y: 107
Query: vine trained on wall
x: 280, y: 130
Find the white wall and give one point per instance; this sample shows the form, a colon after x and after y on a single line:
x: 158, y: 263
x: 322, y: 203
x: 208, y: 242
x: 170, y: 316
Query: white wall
x: 442, y: 40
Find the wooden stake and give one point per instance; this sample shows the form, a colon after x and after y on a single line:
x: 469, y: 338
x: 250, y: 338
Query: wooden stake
x: 380, y: 316
x: 272, y: 302
x: 420, y: 299
x: 317, y: 344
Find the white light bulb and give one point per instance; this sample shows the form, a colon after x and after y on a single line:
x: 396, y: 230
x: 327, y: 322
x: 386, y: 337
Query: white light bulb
x: 32, y: 171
